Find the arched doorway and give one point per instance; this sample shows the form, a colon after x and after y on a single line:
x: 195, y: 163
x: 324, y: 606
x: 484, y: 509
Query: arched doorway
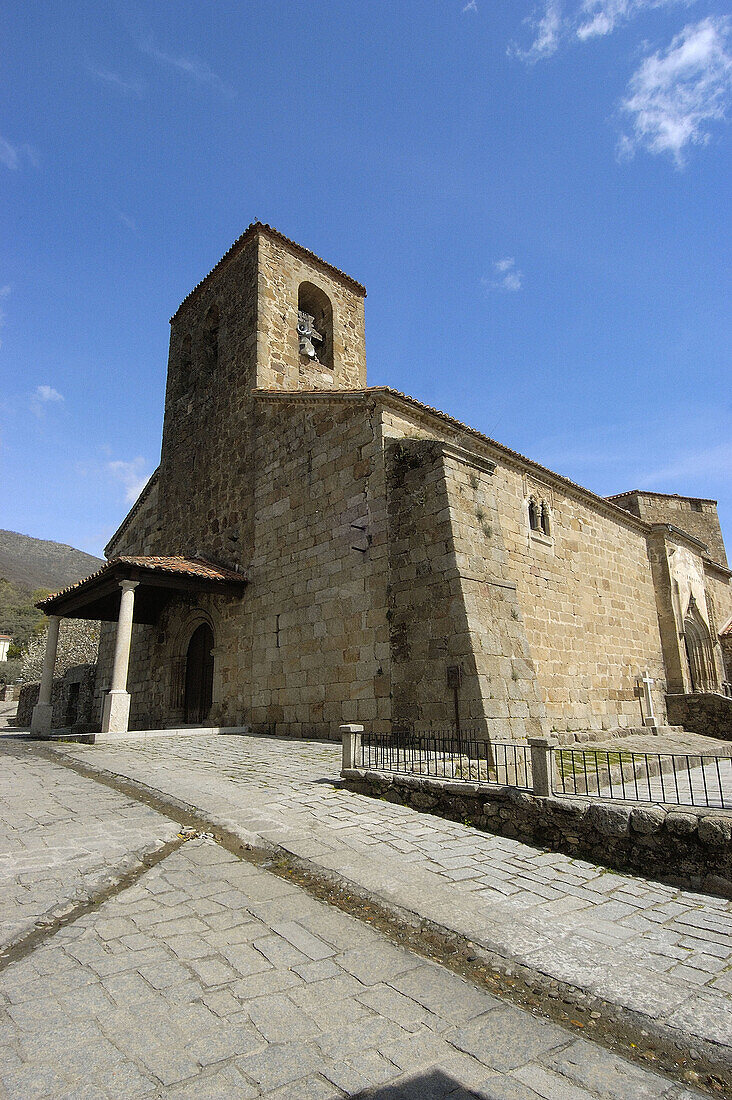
x: 199, y: 675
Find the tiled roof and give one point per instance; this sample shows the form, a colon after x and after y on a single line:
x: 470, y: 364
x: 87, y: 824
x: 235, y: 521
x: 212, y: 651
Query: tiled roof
x: 176, y: 565
x: 262, y: 227
x: 726, y: 631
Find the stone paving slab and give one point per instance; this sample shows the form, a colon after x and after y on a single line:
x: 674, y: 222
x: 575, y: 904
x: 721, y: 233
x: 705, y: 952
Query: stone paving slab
x: 62, y: 838
x: 663, y: 952
x: 114, y: 1006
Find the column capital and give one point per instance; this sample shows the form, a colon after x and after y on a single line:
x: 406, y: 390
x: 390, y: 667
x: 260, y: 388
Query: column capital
x: 128, y: 586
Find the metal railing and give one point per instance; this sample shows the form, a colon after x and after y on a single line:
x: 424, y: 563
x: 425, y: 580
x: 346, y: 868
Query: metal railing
x: 682, y: 780
x: 445, y: 754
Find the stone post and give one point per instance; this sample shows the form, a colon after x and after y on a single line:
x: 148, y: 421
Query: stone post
x: 116, y: 714
x: 43, y: 710
x: 352, y: 754
x: 542, y: 765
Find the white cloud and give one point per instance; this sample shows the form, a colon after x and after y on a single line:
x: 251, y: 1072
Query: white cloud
x: 43, y: 396
x: 193, y: 67
x: 47, y: 393
x: 9, y: 155
x: 470, y: 6
x: 131, y: 475
x: 114, y: 80
x: 587, y: 19
x: 12, y: 156
x: 506, y: 276
x: 676, y: 93
x: 600, y: 17
x: 547, y: 31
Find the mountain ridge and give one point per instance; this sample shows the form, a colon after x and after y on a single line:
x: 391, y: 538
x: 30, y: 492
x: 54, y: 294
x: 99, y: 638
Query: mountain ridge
x: 31, y: 563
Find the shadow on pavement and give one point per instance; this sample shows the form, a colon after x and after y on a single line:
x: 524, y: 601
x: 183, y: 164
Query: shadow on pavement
x: 433, y: 1085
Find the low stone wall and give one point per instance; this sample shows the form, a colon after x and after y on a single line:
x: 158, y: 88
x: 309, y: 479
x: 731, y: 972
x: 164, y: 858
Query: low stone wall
x: 82, y: 675
x: 684, y: 846
x: 27, y: 699
x: 710, y: 715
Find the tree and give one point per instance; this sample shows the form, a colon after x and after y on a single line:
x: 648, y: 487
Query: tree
x: 9, y: 671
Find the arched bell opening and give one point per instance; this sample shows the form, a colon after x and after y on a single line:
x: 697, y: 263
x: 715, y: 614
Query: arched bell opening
x: 315, y: 325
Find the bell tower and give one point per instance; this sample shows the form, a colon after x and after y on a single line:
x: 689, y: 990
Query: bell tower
x: 270, y: 315
x: 310, y: 320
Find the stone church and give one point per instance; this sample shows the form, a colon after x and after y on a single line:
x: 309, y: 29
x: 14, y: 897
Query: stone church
x: 313, y: 551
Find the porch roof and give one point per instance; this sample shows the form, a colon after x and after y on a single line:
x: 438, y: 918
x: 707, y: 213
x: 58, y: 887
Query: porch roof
x: 159, y: 578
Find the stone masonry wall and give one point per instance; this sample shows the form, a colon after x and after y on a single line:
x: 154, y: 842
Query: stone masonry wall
x: 585, y: 593
x: 687, y: 847
x: 697, y: 517
x: 207, y: 434
x: 311, y: 648
x: 280, y: 365
x: 709, y: 715
x: 84, y: 676
x: 719, y: 603
x: 452, y: 603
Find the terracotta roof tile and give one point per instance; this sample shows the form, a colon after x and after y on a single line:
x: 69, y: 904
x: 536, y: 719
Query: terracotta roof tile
x: 175, y: 564
x: 262, y: 227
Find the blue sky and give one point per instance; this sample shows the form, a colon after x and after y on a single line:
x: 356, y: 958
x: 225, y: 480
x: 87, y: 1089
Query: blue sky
x: 536, y: 197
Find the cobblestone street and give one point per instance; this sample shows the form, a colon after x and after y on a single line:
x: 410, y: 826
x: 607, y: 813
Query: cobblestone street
x: 210, y: 977
x: 64, y: 839
x: 657, y: 950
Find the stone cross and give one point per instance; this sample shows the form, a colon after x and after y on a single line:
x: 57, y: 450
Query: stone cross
x: 645, y: 683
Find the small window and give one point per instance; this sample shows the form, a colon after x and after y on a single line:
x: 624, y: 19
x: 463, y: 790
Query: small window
x: 696, y: 506
x: 540, y: 520
x: 314, y: 325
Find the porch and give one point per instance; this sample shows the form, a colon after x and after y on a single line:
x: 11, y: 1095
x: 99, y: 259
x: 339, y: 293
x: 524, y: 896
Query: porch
x: 125, y: 591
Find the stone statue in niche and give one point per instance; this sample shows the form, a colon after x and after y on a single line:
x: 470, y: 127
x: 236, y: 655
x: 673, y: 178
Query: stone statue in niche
x: 308, y: 335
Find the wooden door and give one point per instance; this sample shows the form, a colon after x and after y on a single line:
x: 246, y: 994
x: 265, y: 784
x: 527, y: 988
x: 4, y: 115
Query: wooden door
x: 199, y: 675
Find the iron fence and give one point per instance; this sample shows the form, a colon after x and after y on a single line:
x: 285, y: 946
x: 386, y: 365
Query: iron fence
x: 682, y: 780
x: 446, y: 754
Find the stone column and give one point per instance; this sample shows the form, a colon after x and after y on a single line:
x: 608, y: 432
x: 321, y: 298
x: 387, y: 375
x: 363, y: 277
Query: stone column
x: 116, y: 714
x: 43, y: 710
x: 352, y: 757
x: 542, y: 765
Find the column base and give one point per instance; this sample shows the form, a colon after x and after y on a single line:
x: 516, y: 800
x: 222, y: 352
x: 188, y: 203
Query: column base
x: 116, y: 712
x: 41, y: 719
